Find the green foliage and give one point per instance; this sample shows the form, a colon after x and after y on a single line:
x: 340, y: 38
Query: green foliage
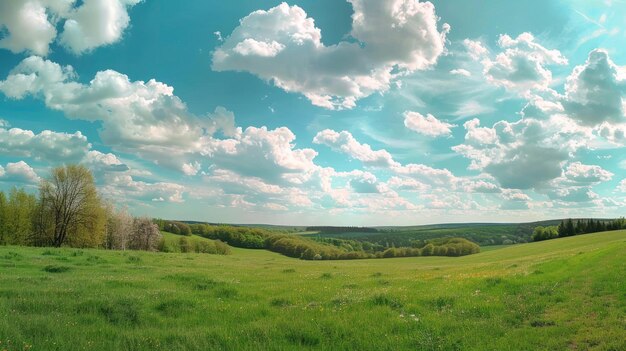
x: 570, y: 227
x: 16, y: 217
x: 188, y: 244
x: 545, y: 233
x: 306, y: 248
x: 70, y: 210
x: 173, y: 227
x: 183, y: 243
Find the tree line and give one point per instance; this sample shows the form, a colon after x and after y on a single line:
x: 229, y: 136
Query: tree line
x: 572, y: 227
x: 340, y: 230
x: 68, y: 211
x: 327, y: 248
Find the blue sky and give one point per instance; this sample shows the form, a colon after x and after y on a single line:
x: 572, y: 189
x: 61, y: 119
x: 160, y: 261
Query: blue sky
x: 362, y: 112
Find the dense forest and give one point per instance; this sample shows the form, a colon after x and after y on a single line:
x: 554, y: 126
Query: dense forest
x: 572, y: 227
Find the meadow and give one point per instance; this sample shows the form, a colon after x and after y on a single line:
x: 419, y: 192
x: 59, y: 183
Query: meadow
x: 562, y: 294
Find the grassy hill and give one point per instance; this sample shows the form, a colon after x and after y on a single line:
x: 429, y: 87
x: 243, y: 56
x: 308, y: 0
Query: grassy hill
x: 484, y: 234
x: 563, y: 294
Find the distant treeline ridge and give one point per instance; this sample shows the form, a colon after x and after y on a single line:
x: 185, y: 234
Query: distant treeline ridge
x: 308, y: 249
x: 339, y: 230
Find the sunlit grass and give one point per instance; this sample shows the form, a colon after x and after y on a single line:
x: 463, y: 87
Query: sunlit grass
x: 556, y: 295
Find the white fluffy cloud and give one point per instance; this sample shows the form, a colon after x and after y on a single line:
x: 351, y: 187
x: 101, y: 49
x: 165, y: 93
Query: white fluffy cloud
x: 409, y: 176
x: 365, y: 183
x: 31, y: 25
x: 344, y: 142
x: 521, y: 66
x: 614, y: 133
x: 461, y: 72
x: 47, y: 145
x: 283, y: 45
x: 18, y: 172
x: 427, y: 125
x: 514, y: 200
x: 149, y: 121
x: 100, y: 162
x: 122, y: 186
x: 95, y: 23
x: 475, y: 49
x: 524, y: 154
x: 595, y: 91
x: 267, y: 154
x: 582, y: 173
x: 143, y: 117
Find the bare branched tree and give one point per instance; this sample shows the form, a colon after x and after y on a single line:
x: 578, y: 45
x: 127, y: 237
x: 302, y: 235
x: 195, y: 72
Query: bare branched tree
x: 145, y: 235
x: 119, y: 228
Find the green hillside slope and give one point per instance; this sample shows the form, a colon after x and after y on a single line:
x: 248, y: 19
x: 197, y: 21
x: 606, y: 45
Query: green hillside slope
x: 563, y: 294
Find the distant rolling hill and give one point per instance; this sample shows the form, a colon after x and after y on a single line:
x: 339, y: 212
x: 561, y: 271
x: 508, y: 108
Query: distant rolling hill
x: 482, y: 233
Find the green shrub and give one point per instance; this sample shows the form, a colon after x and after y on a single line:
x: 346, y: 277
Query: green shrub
x: 183, y: 243
x: 56, y: 269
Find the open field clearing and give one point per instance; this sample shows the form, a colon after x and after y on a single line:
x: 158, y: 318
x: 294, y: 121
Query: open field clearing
x: 555, y: 295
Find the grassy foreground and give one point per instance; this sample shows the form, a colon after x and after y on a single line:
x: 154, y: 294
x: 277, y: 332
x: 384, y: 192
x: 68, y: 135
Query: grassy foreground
x: 555, y: 295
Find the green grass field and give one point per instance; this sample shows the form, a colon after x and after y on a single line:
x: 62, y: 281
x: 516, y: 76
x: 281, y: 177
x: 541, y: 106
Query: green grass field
x: 564, y: 294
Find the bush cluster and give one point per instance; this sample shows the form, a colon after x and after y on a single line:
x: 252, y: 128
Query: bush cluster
x: 328, y: 248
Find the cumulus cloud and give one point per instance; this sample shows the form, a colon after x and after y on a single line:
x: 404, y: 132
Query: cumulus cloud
x: 143, y: 117
x: 56, y: 148
x: 95, y: 23
x: 149, y: 121
x: 427, y: 125
x: 582, y: 173
x: 123, y: 187
x: 573, y: 194
x: 594, y: 92
x: 522, y: 64
x: 282, y: 45
x: 614, y: 133
x: 18, y: 172
x: 432, y: 176
x: 104, y: 162
x: 461, y: 72
x: 46, y: 145
x: 543, y: 104
x: 480, y: 186
x: 475, y: 49
x: 264, y: 153
x: 407, y: 176
x: 524, y: 154
x: 365, y: 183
x: 344, y: 142
x: 407, y: 184
x: 31, y: 26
